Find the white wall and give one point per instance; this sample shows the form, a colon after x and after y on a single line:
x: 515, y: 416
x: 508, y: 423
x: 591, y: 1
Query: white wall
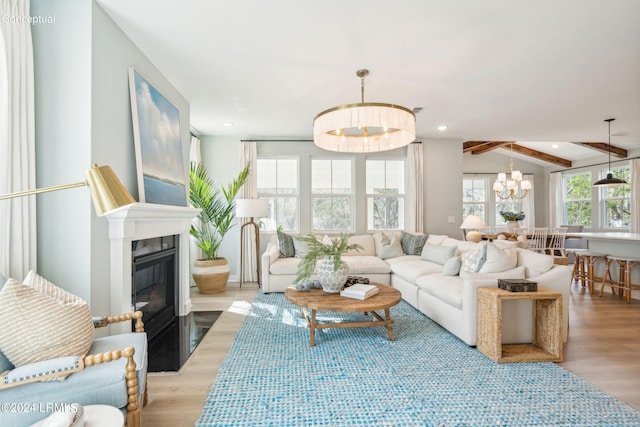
x: 443, y: 186
x: 83, y: 116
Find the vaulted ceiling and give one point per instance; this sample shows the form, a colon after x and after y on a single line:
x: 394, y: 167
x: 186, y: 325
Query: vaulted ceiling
x: 537, y: 73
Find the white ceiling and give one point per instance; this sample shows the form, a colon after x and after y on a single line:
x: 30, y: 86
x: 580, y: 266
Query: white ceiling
x: 506, y: 70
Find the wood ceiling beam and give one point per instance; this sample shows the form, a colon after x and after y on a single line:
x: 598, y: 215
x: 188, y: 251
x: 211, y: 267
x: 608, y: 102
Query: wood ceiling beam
x: 468, y: 146
x: 539, y: 155
x: 488, y: 146
x: 604, y: 148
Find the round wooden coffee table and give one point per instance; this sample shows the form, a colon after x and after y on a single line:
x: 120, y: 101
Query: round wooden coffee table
x: 318, y: 300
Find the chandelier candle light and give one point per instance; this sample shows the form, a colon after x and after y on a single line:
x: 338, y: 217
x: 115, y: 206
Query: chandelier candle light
x: 364, y: 127
x: 513, y: 188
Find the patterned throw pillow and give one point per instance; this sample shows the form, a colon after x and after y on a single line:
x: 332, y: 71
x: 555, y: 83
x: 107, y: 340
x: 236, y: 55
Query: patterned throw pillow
x: 412, y: 243
x: 473, y: 260
x: 37, y: 326
x: 285, y: 242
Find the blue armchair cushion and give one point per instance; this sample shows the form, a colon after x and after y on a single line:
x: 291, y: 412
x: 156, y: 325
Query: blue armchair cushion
x: 103, y: 384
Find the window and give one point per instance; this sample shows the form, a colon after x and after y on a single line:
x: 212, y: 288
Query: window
x: 474, y: 198
x: 577, y: 201
x: 331, y: 195
x: 278, y: 183
x: 385, y: 194
x: 616, y: 200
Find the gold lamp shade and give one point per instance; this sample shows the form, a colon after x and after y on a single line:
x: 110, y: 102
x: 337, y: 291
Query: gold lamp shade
x: 107, y: 191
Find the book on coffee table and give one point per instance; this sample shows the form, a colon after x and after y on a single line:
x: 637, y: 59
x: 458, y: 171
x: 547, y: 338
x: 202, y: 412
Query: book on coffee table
x: 359, y: 291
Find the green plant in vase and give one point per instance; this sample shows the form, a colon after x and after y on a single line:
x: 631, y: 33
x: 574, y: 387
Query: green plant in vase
x: 216, y: 217
x: 326, y: 255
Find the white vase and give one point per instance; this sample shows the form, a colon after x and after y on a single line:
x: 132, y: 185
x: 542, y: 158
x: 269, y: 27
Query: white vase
x: 332, y: 281
x: 512, y: 225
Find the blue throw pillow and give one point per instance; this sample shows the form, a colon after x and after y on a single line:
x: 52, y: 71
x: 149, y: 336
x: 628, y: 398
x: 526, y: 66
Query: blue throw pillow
x: 285, y: 242
x: 412, y: 243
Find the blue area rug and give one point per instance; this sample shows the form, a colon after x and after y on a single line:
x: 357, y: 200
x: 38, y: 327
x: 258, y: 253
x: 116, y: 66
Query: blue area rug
x: 357, y: 377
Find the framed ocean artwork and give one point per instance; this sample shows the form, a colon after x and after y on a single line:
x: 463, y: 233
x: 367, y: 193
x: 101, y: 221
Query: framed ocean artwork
x: 156, y: 134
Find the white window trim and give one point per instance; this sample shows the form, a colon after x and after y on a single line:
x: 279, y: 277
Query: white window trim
x: 297, y: 195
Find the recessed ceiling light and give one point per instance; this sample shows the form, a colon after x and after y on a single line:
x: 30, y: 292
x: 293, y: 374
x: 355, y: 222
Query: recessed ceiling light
x: 228, y: 124
x: 442, y: 128
x: 555, y: 146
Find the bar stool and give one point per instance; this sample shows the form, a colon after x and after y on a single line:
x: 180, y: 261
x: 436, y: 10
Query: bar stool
x: 590, y: 259
x: 579, y: 272
x: 625, y: 264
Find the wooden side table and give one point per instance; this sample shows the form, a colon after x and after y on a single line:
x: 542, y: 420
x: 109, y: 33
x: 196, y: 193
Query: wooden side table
x: 547, y: 341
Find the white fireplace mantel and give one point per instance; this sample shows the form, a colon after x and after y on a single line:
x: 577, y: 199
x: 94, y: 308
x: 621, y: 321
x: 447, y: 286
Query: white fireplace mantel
x: 140, y: 221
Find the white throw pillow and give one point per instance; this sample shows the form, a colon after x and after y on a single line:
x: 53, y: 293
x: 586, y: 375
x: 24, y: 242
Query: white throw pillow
x: 534, y: 263
x: 452, y: 266
x: 387, y: 247
x: 300, y: 247
x: 37, y: 326
x: 499, y: 258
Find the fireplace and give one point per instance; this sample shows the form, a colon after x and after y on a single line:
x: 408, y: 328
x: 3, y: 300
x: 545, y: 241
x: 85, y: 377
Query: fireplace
x: 154, y: 272
x: 141, y: 221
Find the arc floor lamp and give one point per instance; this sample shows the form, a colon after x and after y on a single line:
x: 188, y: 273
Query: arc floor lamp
x: 107, y: 191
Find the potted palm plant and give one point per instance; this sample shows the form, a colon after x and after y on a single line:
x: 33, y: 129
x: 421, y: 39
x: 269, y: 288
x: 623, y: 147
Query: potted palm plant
x: 215, y: 219
x: 332, y: 271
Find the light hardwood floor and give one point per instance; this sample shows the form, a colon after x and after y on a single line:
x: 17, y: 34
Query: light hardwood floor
x: 603, y: 348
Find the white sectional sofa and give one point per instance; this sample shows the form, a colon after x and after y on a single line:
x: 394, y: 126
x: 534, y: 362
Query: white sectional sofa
x: 431, y: 282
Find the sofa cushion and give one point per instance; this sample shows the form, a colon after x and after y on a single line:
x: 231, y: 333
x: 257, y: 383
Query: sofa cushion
x: 387, y: 247
x: 285, y: 244
x: 403, y: 258
x: 436, y: 239
x: 452, y: 266
x: 366, y: 265
x: 514, y: 273
x: 534, y: 263
x: 473, y: 260
x: 462, y: 245
x: 411, y: 270
x: 445, y: 288
x: 438, y: 254
x: 37, y: 326
x: 366, y: 241
x: 499, y: 258
x: 412, y: 243
x: 284, y: 266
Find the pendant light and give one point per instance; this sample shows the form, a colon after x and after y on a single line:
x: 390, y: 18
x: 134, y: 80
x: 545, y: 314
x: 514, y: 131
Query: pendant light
x: 364, y: 127
x: 609, y: 180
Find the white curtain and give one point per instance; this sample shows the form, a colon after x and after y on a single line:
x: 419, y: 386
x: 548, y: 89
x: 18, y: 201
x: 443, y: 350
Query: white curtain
x: 194, y: 251
x: 415, y: 195
x: 528, y: 204
x: 17, y: 143
x: 249, y: 154
x: 635, y: 196
x: 555, y: 200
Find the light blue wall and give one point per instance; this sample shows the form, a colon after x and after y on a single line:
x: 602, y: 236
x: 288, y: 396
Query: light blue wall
x: 83, y: 116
